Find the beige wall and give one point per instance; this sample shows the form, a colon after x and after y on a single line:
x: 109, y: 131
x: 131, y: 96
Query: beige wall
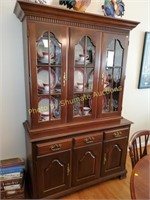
x: 136, y: 104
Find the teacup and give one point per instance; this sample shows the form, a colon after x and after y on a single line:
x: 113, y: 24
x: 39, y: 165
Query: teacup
x: 86, y: 110
x: 82, y: 57
x: 46, y: 87
x: 44, y: 59
x: 80, y: 86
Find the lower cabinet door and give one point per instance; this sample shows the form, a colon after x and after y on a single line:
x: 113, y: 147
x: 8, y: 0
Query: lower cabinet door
x: 114, y: 156
x: 53, y: 173
x: 86, y: 163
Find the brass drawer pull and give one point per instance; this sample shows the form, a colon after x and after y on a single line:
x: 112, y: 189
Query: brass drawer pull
x: 55, y: 147
x: 89, y: 140
x: 117, y: 134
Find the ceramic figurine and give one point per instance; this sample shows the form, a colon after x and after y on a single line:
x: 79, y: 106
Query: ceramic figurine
x: 79, y: 5
x: 113, y: 8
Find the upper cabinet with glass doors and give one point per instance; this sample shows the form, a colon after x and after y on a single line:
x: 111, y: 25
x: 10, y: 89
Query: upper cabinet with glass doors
x: 75, y: 65
x: 87, y: 86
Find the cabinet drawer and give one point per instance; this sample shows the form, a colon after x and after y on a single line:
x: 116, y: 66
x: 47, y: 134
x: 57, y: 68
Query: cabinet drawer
x: 116, y: 133
x: 52, y: 147
x: 88, y: 139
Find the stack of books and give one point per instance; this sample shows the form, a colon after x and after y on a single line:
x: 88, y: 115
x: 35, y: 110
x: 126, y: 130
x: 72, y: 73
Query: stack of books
x: 12, y: 175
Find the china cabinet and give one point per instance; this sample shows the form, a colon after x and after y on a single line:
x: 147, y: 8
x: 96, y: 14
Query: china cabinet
x: 74, y: 74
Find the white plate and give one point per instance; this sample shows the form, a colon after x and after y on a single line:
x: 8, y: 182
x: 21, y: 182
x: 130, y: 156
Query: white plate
x: 43, y: 78
x: 44, y: 103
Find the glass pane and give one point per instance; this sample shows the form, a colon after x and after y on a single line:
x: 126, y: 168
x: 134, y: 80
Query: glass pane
x: 117, y: 77
x: 87, y: 109
x: 42, y: 50
x: 110, y: 58
x: 90, y: 76
x: 79, y: 79
x: 43, y: 109
x: 106, y: 103
x: 55, y: 107
x: 79, y: 53
x: 55, y: 50
x: 111, y: 46
x: 82, y: 104
x: 57, y: 73
x: 85, y: 52
x: 118, y: 54
x: 90, y: 52
x: 77, y: 105
x: 43, y: 80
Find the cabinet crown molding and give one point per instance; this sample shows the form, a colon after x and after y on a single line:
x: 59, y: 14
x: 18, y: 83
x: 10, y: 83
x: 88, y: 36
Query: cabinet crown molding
x: 34, y: 12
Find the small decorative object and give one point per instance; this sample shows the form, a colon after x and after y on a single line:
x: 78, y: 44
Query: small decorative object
x: 144, y: 80
x: 79, y: 5
x: 40, y: 1
x: 113, y: 7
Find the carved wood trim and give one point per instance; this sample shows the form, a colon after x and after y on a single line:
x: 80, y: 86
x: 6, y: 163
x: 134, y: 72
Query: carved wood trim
x: 74, y: 24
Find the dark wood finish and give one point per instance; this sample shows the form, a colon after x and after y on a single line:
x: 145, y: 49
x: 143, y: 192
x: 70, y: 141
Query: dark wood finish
x: 53, y: 173
x: 114, y: 151
x: 88, y: 139
x: 139, y: 181
x: 70, y: 153
x: 138, y: 145
x: 51, y: 147
x: 86, y: 163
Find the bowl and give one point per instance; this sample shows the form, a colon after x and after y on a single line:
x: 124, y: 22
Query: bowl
x: 80, y: 86
x: 44, y: 59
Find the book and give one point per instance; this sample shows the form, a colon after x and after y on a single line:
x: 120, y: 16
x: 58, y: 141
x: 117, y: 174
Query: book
x: 10, y: 182
x: 7, y: 170
x: 11, y: 162
x: 12, y: 187
x: 11, y: 176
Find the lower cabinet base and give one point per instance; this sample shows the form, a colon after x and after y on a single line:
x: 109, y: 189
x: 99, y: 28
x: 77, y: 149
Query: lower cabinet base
x: 63, y: 165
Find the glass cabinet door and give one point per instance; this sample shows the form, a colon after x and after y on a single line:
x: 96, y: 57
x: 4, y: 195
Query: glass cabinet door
x: 82, y: 72
x: 49, y: 73
x: 84, y: 63
x: 112, y: 73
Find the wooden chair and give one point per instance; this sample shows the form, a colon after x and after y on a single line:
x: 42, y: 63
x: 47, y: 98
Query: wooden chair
x: 138, y: 145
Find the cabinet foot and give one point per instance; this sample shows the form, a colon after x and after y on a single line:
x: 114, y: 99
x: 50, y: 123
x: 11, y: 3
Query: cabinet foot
x: 122, y: 176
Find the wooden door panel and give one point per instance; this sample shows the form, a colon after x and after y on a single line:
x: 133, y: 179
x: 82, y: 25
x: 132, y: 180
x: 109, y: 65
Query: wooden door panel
x: 114, y: 156
x: 86, y: 163
x: 53, y: 173
x: 88, y: 159
x: 53, y: 169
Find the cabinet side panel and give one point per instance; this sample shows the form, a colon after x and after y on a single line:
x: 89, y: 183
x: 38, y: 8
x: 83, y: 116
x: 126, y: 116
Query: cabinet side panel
x: 31, y: 170
x: 26, y: 69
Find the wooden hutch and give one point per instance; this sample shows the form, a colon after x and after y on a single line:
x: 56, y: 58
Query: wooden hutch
x: 74, y: 74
